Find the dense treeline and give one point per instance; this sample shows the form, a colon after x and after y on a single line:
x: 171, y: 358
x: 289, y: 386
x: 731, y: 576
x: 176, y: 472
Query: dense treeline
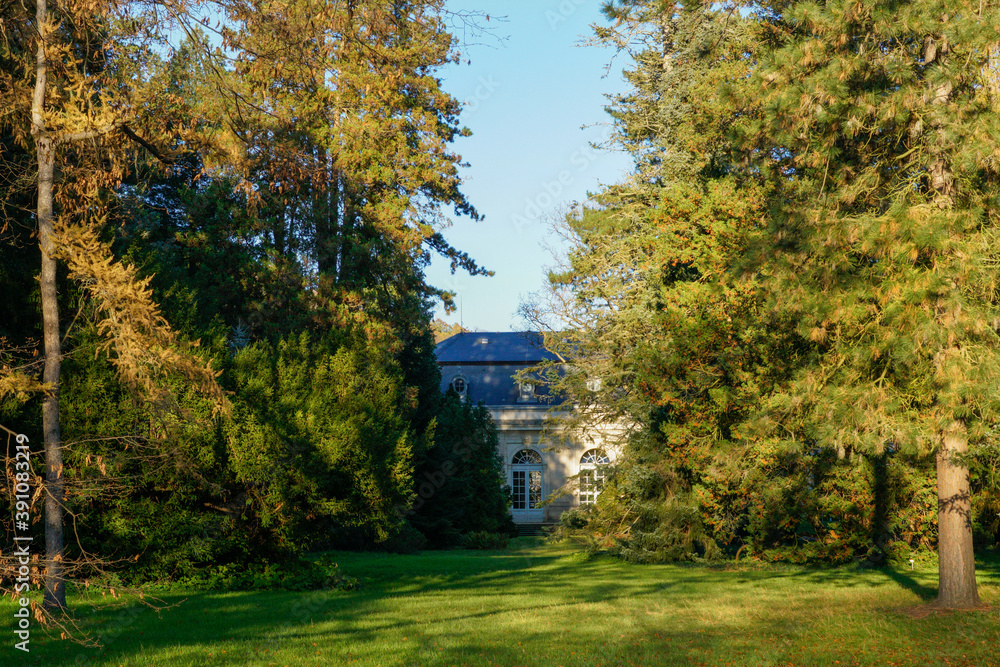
x: 227, y: 355
x: 792, y: 304
x: 232, y: 318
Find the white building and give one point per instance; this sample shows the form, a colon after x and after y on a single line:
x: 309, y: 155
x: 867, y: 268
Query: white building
x: 539, y: 464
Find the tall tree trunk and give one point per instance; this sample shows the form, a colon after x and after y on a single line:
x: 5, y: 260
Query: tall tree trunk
x: 325, y: 203
x: 956, y: 561
x: 668, y: 28
x: 55, y: 585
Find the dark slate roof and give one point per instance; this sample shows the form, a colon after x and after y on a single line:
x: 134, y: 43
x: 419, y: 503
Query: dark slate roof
x: 493, y: 347
x: 488, y: 361
x: 491, y: 385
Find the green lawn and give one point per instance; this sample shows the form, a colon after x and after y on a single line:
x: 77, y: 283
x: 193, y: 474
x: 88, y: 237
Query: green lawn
x: 547, y: 605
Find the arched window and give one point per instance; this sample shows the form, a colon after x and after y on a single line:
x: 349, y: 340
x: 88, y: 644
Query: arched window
x: 526, y: 479
x: 527, y: 457
x: 592, y: 476
x: 460, y: 386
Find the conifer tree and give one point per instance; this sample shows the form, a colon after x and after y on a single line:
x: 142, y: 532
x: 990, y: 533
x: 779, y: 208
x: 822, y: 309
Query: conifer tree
x: 337, y: 122
x: 331, y: 119
x: 73, y: 86
x: 460, y: 484
x: 882, y: 118
x: 648, y: 301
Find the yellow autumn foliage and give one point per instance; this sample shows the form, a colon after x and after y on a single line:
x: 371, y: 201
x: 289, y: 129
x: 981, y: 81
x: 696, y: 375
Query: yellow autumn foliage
x: 143, y: 347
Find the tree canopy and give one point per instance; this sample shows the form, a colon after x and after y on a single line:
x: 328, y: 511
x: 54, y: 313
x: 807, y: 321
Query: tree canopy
x: 238, y: 361
x: 792, y: 300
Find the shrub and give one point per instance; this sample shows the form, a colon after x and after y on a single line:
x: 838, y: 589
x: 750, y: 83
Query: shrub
x: 408, y: 540
x: 295, y: 575
x: 485, y: 540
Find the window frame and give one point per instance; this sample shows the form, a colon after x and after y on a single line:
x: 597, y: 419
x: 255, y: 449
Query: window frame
x: 527, y: 479
x: 592, y: 477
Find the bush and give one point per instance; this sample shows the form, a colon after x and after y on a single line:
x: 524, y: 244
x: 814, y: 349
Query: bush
x: 295, y: 575
x: 573, y: 519
x: 460, y: 482
x: 485, y: 540
x: 408, y: 540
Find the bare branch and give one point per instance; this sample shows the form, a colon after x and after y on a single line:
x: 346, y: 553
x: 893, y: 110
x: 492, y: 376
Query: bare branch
x: 72, y: 137
x: 157, y: 153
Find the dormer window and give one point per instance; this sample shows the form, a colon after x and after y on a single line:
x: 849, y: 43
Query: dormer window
x: 526, y: 392
x: 594, y: 384
x: 460, y: 386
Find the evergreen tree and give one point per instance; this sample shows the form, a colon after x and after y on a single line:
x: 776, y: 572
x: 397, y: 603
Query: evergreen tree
x: 656, y: 300
x: 882, y: 119
x: 340, y: 130
x: 649, y: 301
x: 460, y: 484
x: 341, y: 169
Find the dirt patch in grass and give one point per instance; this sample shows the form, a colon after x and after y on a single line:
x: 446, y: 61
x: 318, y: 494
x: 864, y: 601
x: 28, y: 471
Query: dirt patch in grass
x: 923, y: 611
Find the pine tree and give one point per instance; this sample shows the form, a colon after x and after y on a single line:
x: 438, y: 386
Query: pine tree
x: 882, y: 118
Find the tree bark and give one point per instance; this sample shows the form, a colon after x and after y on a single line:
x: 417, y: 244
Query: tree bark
x: 55, y: 584
x: 956, y: 561
x: 667, y: 30
x: 325, y: 204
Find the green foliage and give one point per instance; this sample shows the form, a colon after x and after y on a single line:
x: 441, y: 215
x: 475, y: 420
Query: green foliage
x: 763, y: 301
x: 780, y: 505
x: 460, y: 483
x: 884, y: 243
x: 195, y: 238
x: 138, y: 482
x: 299, y: 574
x: 406, y: 540
x: 321, y: 441
x: 485, y: 540
x: 289, y: 244
x: 984, y: 467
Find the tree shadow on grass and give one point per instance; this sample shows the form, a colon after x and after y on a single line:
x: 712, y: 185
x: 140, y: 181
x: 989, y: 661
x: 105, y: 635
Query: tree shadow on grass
x: 279, y: 629
x: 923, y: 592
x: 436, y: 603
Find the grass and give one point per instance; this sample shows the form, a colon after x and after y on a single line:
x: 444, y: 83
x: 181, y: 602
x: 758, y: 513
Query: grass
x: 546, y: 605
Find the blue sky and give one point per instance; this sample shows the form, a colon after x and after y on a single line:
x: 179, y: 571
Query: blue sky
x: 526, y: 101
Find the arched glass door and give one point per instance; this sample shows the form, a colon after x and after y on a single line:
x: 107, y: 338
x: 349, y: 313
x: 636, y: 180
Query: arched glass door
x: 526, y: 485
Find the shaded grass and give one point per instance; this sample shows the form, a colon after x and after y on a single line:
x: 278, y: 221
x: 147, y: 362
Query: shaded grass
x: 547, y: 605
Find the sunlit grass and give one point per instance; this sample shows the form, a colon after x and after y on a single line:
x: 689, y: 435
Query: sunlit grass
x: 548, y: 605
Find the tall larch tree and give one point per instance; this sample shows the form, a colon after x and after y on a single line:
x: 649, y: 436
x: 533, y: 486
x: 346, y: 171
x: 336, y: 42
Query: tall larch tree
x: 336, y: 120
x: 73, y: 88
x: 884, y: 126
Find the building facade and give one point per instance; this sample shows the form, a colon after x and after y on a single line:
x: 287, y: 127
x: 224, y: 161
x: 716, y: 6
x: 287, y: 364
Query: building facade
x: 549, y: 471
